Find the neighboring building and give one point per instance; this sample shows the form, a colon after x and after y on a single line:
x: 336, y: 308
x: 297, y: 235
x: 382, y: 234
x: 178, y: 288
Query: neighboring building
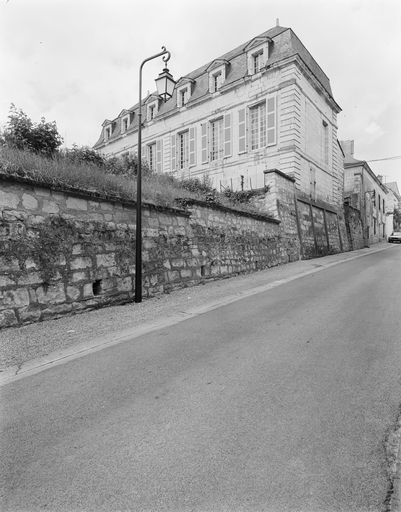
x: 364, y: 191
x: 394, y: 203
x: 264, y: 105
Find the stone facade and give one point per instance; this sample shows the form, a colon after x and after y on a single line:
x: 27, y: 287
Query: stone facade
x: 277, y: 114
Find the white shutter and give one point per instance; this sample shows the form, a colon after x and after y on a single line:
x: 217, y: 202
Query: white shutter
x: 173, y: 155
x: 205, y: 158
x: 192, y: 146
x: 159, y: 155
x: 271, y: 120
x: 227, y: 135
x: 242, y: 130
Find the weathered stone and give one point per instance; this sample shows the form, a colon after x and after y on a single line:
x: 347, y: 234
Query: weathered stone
x: 106, y: 206
x: 14, y: 298
x: 78, y: 276
x: 6, y: 281
x: 76, y: 249
x: 173, y: 275
x: 30, y: 278
x: 78, y: 263
x: 75, y: 203
x: 29, y: 314
x: 56, y: 310
x: 50, y: 206
x: 8, y: 318
x: 186, y: 273
x: 124, y: 284
x: 88, y: 290
x: 106, y: 260
x: 51, y: 294
x: 73, y: 292
x: 9, y: 199
x: 29, y: 202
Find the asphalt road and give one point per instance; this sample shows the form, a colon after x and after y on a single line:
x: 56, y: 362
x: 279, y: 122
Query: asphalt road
x: 278, y: 402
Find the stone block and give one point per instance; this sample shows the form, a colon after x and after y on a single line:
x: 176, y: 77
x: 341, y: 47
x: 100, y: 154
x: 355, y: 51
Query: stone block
x: 54, y: 294
x: 14, y: 298
x: 56, y: 310
x: 50, y: 206
x: 88, y: 290
x: 124, y: 284
x: 6, y: 281
x: 73, y: 293
x: 9, y: 199
x: 186, y: 273
x: 29, y: 202
x: 78, y: 276
x: 79, y: 263
x: 76, y: 249
x: 30, y: 264
x: 177, y: 263
x: 30, y: 278
x: 106, y: 206
x: 29, y: 314
x: 108, y: 217
x: 106, y: 260
x: 173, y: 275
x: 75, y: 203
x: 8, y: 318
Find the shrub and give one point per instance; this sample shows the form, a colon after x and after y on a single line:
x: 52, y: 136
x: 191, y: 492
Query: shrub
x: 21, y: 133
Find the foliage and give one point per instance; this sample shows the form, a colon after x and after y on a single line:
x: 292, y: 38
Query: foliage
x: 241, y: 196
x: 21, y: 133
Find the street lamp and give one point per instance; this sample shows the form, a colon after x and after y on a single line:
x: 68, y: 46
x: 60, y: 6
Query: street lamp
x: 165, y: 87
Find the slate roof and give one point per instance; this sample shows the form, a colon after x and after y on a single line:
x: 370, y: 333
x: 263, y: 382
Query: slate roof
x: 392, y: 185
x: 236, y: 70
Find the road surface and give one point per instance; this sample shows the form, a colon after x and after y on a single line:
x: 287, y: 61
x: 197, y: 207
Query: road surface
x: 278, y: 402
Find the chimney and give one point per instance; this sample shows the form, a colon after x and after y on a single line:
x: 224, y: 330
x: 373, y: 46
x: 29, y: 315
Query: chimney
x: 277, y: 22
x: 380, y: 178
x: 348, y: 147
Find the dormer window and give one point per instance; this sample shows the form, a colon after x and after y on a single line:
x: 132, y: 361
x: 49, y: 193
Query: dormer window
x: 184, y: 91
x: 257, y: 61
x: 131, y: 117
x: 107, y: 132
x: 217, y: 74
x: 124, y: 124
x: 257, y: 52
x: 151, y: 111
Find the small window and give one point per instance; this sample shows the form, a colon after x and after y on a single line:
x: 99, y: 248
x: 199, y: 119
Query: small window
x: 183, y: 97
x: 257, y: 62
x: 151, y: 112
x: 217, y: 81
x: 131, y: 117
x: 107, y: 132
x: 124, y: 124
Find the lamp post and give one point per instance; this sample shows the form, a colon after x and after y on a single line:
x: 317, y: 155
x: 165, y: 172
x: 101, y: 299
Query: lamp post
x: 165, y: 87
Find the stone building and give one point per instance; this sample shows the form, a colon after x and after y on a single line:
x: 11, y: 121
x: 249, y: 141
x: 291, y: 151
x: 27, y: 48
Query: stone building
x: 393, y: 203
x: 266, y: 104
x: 365, y: 191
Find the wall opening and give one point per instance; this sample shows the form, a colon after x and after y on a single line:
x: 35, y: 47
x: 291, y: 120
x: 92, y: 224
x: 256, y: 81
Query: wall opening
x: 97, y: 287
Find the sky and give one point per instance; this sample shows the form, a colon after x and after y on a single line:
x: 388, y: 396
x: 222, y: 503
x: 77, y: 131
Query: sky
x: 76, y: 62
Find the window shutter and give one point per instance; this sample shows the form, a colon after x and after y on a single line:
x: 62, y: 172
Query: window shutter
x: 173, y: 155
x: 227, y: 135
x: 192, y: 146
x: 159, y: 155
x: 271, y: 120
x: 204, y: 143
x: 242, y: 130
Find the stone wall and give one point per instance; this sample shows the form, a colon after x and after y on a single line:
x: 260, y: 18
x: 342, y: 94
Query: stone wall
x: 65, y: 251
x: 354, y: 227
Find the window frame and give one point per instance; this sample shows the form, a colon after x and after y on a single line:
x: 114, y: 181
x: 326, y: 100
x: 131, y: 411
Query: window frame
x: 261, y: 130
x: 182, y: 145
x: 151, y: 154
x: 216, y: 139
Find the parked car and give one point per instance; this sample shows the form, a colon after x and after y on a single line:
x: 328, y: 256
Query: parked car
x: 395, y: 237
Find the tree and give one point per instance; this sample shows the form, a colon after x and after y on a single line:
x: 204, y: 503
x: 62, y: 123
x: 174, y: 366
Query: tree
x: 21, y: 133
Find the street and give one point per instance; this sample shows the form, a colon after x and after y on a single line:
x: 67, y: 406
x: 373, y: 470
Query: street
x: 281, y: 401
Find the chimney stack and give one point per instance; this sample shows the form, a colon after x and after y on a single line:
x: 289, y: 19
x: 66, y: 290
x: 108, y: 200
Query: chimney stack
x: 277, y: 22
x: 348, y: 147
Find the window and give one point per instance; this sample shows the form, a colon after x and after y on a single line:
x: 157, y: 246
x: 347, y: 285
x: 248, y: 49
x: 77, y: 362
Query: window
x: 217, y: 80
x: 152, y: 156
x: 151, y: 112
x: 257, y: 116
x: 131, y: 117
x: 124, y: 124
x: 383, y: 207
x: 183, y: 97
x: 183, y: 150
x: 216, y: 139
x: 107, y: 133
x: 380, y: 203
x: 257, y: 62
